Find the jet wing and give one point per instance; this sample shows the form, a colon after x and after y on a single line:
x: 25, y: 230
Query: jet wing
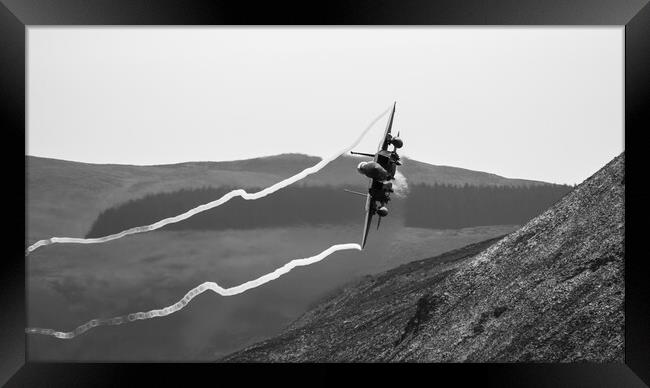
x: 366, y: 224
x: 383, y: 146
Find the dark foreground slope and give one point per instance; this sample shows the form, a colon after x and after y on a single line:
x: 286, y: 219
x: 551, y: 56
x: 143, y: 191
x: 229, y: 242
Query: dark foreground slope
x: 551, y: 291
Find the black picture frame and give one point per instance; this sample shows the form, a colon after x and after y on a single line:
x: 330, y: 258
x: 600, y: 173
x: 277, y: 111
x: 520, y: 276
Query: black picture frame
x: 17, y: 15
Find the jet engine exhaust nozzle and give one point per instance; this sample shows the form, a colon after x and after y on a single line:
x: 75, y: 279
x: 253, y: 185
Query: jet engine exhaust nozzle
x: 397, y: 142
x: 373, y: 170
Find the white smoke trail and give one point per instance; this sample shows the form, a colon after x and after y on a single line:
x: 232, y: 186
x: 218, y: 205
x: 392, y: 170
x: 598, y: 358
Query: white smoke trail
x: 400, y: 185
x: 193, y: 293
x: 210, y: 205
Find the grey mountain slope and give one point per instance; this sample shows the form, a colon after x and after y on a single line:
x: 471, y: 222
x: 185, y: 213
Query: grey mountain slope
x: 551, y: 291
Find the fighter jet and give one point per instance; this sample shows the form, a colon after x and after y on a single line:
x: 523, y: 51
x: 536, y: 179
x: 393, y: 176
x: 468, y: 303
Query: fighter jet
x: 381, y: 171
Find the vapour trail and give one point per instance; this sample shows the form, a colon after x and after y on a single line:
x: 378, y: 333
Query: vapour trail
x: 193, y: 293
x: 400, y: 185
x: 210, y: 205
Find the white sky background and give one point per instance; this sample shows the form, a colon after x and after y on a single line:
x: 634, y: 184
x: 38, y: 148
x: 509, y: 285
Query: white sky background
x: 537, y: 103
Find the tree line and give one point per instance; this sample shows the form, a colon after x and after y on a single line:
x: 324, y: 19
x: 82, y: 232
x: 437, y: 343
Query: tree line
x: 442, y: 206
x: 426, y: 206
x: 294, y: 205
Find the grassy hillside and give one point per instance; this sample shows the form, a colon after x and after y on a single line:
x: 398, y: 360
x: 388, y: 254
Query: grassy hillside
x: 64, y: 198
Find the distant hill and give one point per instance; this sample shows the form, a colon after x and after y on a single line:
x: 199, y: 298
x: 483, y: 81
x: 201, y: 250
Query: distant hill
x: 342, y: 170
x: 552, y: 291
x: 64, y: 197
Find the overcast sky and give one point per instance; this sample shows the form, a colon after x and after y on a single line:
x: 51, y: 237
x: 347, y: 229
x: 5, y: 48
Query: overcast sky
x: 537, y: 103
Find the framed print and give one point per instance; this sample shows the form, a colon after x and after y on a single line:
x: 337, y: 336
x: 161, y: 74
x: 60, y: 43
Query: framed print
x: 425, y: 187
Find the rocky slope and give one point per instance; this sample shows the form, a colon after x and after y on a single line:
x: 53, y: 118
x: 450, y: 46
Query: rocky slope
x: 552, y: 291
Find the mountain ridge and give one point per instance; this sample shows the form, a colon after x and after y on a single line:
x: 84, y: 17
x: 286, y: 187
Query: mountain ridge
x: 257, y: 163
x: 551, y: 291
x: 76, y: 193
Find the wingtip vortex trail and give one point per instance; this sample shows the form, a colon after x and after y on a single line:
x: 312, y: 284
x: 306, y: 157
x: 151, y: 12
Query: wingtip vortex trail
x: 194, y: 292
x: 210, y: 205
